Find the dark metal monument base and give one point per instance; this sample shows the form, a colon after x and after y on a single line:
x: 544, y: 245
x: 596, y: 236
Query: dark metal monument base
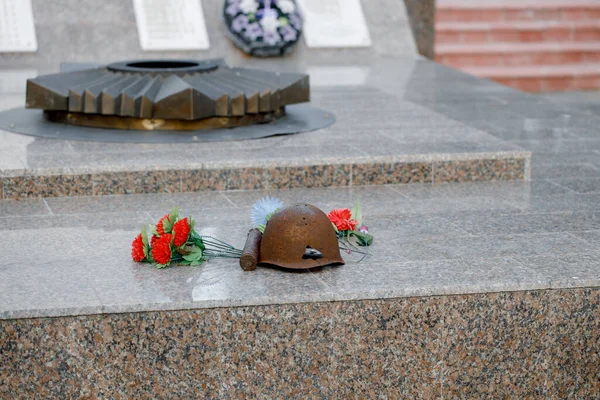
x: 296, y: 119
x: 159, y: 124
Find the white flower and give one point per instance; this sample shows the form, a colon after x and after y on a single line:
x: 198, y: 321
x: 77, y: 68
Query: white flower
x: 263, y: 208
x: 269, y: 22
x: 249, y: 6
x: 286, y: 6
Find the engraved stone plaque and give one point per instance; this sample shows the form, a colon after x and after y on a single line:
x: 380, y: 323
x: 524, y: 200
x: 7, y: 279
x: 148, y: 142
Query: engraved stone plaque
x: 171, y: 25
x: 334, y: 23
x: 17, y: 30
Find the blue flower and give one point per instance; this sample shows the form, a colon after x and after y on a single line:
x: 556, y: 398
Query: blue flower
x: 239, y: 23
x: 289, y: 34
x: 263, y: 208
x: 233, y: 9
x: 271, y: 38
x: 253, y: 31
x: 295, y: 20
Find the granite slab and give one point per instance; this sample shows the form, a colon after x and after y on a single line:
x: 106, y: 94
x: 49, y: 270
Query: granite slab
x: 541, y: 344
x: 430, y: 240
x: 380, y: 137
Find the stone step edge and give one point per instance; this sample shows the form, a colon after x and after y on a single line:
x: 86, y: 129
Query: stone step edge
x: 485, y: 167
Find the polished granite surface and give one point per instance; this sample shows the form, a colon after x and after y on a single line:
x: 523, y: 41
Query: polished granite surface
x: 377, y: 121
x: 70, y: 255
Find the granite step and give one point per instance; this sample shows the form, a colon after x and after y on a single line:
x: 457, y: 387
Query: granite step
x: 379, y: 138
x: 452, y: 266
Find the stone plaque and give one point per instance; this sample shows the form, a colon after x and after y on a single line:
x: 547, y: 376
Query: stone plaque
x: 165, y: 25
x: 334, y: 23
x: 17, y: 30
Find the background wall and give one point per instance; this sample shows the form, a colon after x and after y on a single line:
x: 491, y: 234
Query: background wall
x: 94, y: 31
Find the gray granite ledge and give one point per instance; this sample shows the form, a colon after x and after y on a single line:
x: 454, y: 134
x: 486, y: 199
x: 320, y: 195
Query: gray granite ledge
x: 223, y: 164
x: 301, y: 299
x: 431, y: 240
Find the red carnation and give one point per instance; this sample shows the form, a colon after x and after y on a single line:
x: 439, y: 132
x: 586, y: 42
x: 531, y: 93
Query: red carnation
x: 137, y: 249
x: 159, y: 227
x: 181, y: 229
x: 342, y: 219
x: 161, y: 249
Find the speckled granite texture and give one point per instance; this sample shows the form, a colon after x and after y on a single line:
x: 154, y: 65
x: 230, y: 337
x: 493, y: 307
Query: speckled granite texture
x: 277, y: 177
x: 540, y: 344
x: 421, y: 14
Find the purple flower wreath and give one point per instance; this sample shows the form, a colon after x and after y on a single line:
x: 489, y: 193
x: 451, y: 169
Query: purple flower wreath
x: 263, y: 27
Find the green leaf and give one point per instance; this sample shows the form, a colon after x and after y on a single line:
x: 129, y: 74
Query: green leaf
x: 145, y: 241
x: 363, y: 239
x: 195, y: 255
x: 261, y: 228
x: 154, y: 231
x: 197, y: 239
x: 174, y: 215
x: 197, y: 262
x: 335, y: 228
x: 167, y: 225
x: 161, y: 266
x: 357, y: 212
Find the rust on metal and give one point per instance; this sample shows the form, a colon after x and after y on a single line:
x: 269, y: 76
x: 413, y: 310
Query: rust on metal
x: 300, y: 237
x: 166, y: 95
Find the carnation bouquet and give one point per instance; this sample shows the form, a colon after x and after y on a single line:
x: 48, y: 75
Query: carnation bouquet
x: 174, y: 240
x: 350, y: 224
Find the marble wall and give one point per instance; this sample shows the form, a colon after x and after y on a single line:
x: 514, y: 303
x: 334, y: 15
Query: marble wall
x: 539, y: 344
x: 104, y: 31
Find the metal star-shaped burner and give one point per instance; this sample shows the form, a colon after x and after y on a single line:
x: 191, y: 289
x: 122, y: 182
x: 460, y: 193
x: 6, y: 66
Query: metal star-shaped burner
x: 166, y: 95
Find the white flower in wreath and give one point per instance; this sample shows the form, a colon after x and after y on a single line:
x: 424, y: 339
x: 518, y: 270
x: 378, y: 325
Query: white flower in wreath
x: 269, y: 22
x: 249, y: 6
x: 286, y: 6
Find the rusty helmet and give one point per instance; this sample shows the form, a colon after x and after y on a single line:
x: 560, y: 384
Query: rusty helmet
x: 300, y: 237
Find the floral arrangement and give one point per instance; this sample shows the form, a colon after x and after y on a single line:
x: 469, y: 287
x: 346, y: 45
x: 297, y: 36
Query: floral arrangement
x: 270, y: 26
x: 174, y: 240
x: 349, y: 223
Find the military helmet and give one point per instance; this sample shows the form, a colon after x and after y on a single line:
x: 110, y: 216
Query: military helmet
x: 300, y: 237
